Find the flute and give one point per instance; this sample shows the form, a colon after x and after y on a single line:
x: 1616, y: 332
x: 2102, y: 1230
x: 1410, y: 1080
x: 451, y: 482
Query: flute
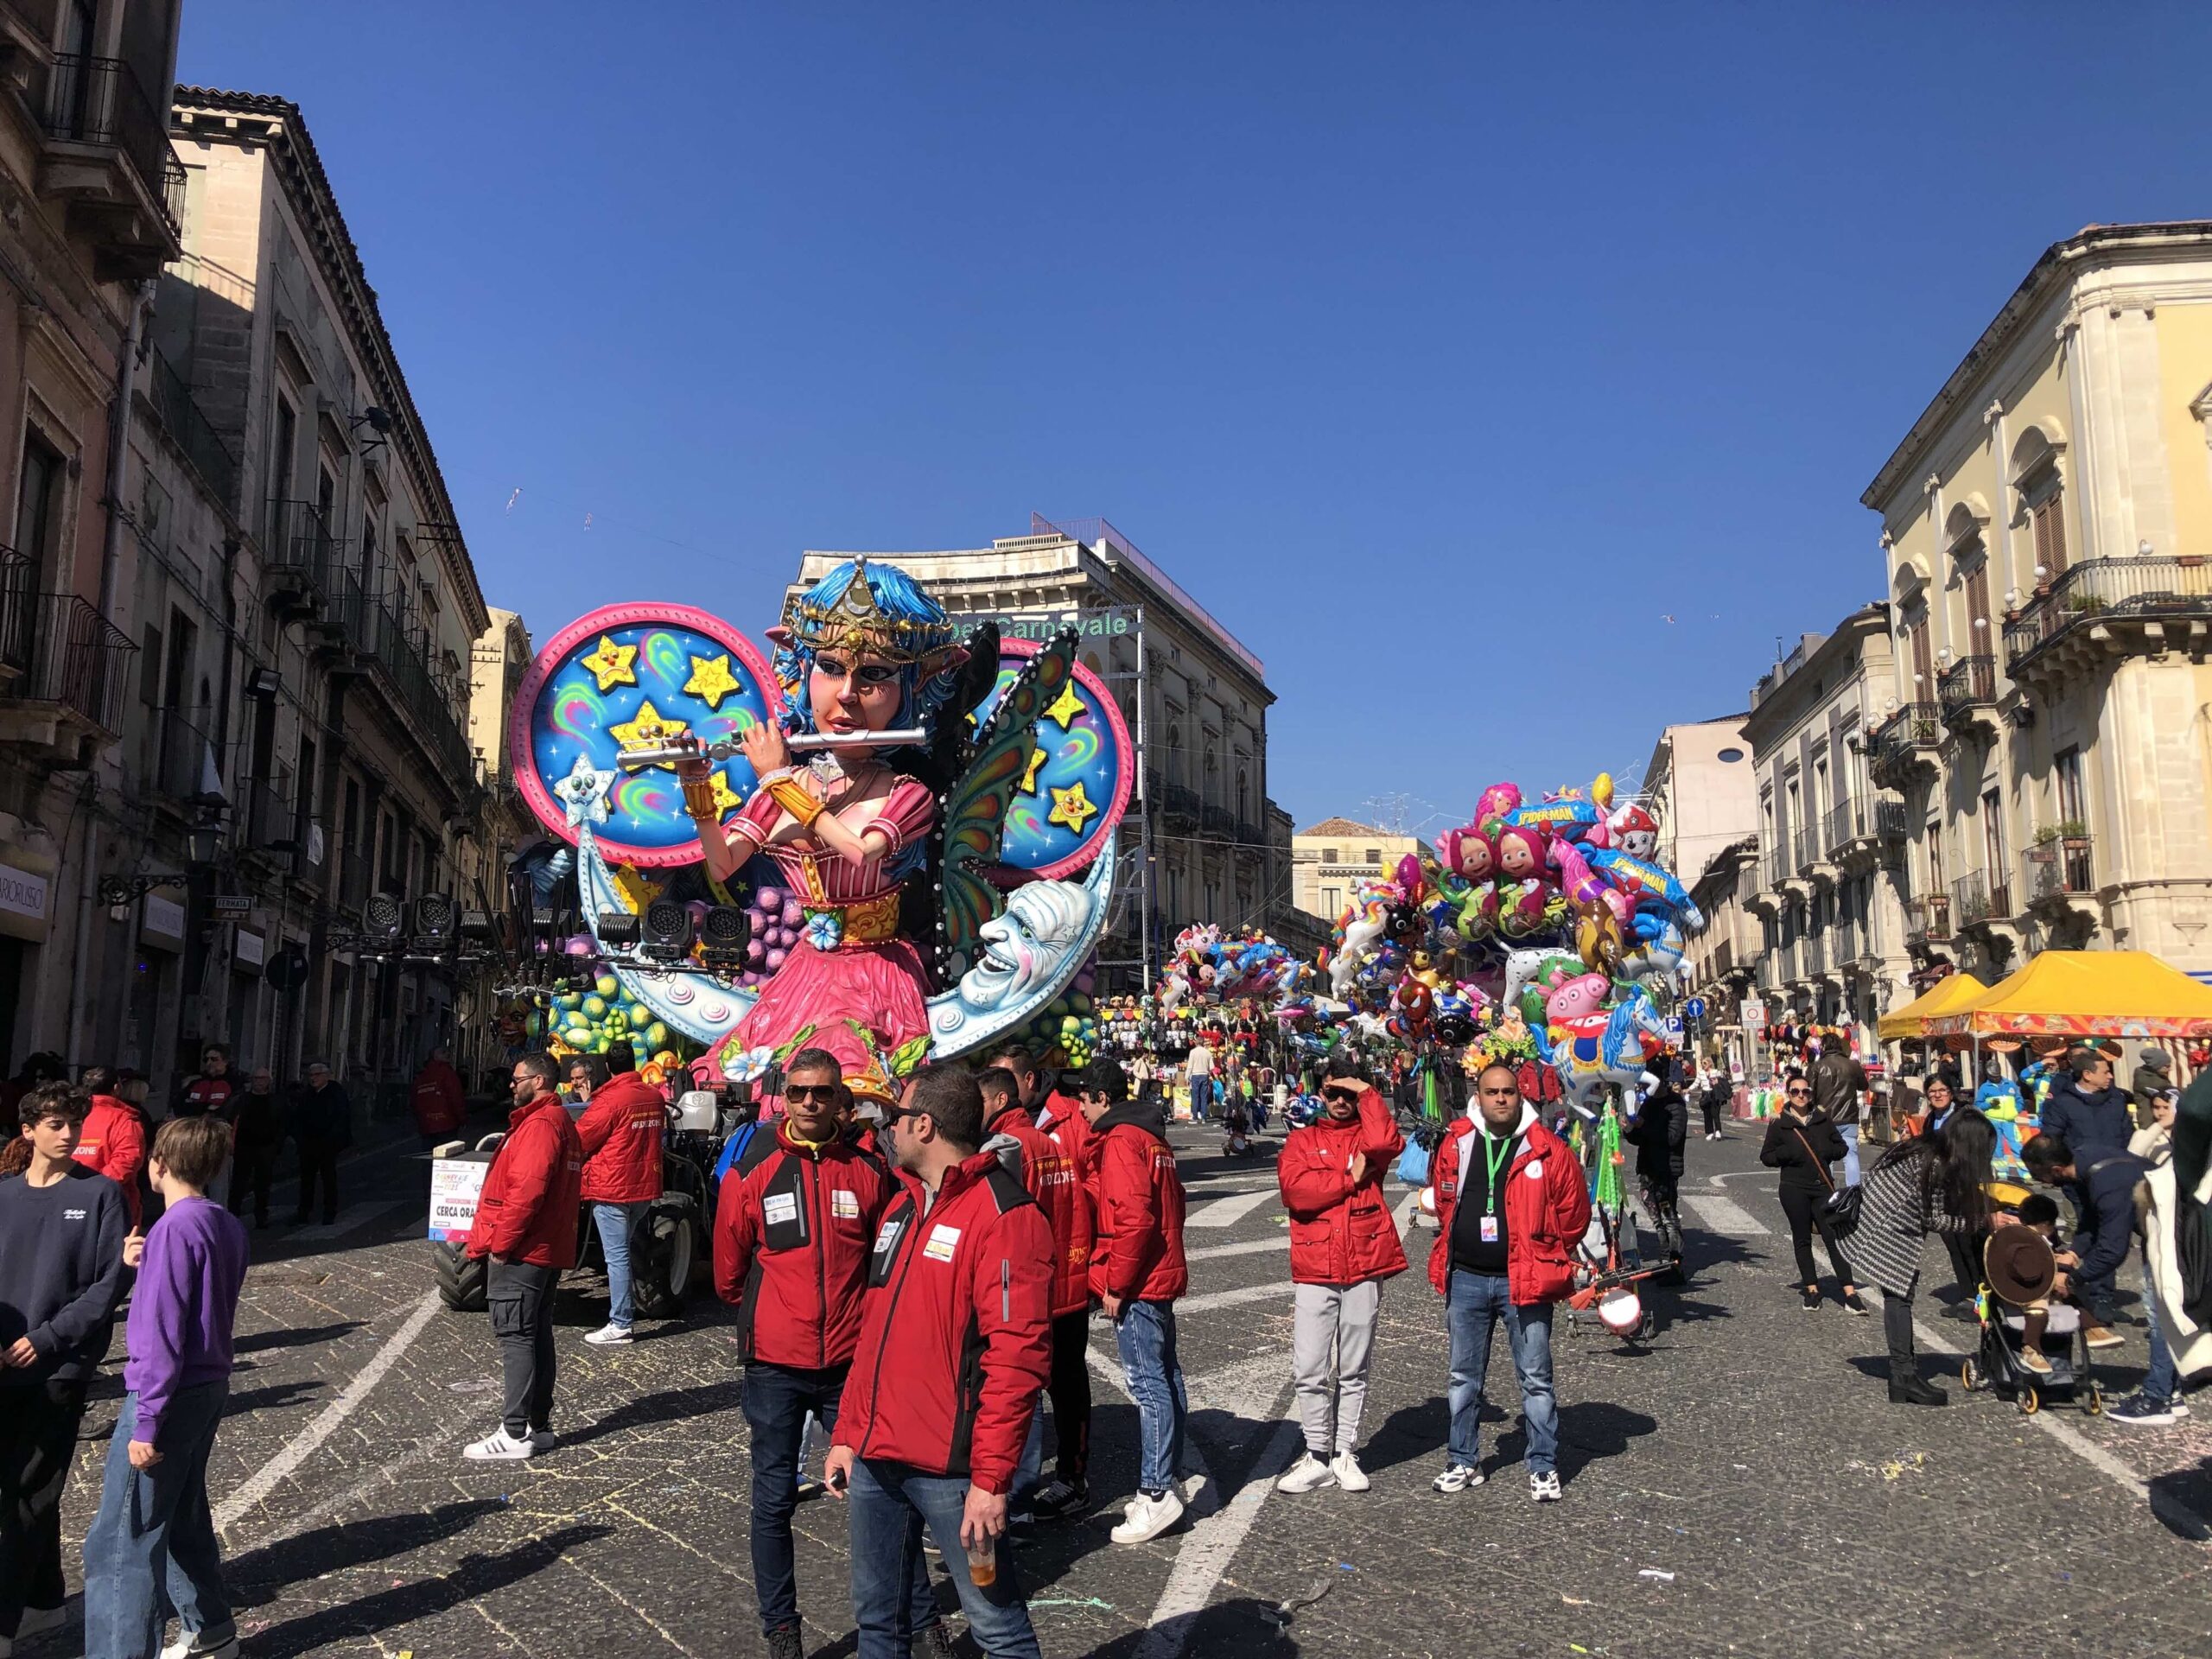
x: 672, y: 754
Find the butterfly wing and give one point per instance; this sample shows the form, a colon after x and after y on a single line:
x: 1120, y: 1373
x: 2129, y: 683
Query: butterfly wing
x: 975, y: 808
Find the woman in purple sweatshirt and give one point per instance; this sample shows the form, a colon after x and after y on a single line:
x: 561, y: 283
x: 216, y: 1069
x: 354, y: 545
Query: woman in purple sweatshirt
x: 152, y: 1548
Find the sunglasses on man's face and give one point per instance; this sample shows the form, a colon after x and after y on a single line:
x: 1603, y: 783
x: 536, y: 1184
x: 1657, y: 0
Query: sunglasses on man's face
x: 826, y: 1093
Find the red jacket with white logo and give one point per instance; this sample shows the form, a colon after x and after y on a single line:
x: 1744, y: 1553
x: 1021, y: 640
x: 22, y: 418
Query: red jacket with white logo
x: 1341, y: 1232
x: 620, y: 1129
x: 792, y: 1229
x: 1052, y: 1179
x: 532, y: 1193
x: 1547, y: 1209
x: 1063, y: 1120
x: 113, y: 1143
x: 1137, y: 1198
x: 439, y: 1104
x: 955, y: 1331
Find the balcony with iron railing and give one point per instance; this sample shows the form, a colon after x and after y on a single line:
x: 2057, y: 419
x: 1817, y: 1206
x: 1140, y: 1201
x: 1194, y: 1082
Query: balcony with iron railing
x: 109, y: 154
x: 187, y: 425
x: 1807, y: 844
x: 67, y: 666
x: 1843, y: 937
x: 2058, y: 869
x: 187, y: 761
x: 1966, y: 691
x: 1928, y: 917
x: 1904, y: 741
x: 1891, y: 822
x: 2110, y: 605
x: 1814, y: 954
x: 1976, y: 900
x: 309, y: 571
x: 18, y: 610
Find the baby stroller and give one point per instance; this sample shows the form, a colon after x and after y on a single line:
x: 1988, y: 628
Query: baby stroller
x: 2017, y: 1268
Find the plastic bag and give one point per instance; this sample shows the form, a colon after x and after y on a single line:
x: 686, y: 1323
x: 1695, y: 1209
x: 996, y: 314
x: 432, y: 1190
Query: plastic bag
x: 1413, y: 1164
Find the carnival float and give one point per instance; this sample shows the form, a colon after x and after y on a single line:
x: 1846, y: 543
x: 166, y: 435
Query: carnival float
x: 873, y: 835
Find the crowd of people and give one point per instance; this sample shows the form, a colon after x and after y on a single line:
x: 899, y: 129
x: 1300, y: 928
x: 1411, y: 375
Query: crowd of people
x: 915, y: 1270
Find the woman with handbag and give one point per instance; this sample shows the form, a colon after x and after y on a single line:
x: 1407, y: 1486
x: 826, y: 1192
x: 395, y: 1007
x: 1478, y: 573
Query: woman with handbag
x: 1802, y: 1143
x: 1932, y: 1183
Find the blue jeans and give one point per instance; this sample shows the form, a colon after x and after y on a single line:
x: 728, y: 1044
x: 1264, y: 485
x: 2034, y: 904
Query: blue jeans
x: 1476, y: 1302
x: 617, y: 1224
x: 1146, y: 1336
x: 890, y: 1505
x: 1850, y: 1133
x: 1028, y: 1475
x: 1201, y: 1097
x: 2163, y: 1380
x: 152, y: 1550
x: 776, y: 1400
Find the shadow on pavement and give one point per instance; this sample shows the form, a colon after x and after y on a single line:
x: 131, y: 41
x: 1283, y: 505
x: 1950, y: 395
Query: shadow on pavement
x: 297, y: 1338
x: 666, y: 1407
x: 268, y: 1399
x: 259, y: 1575
x: 472, y: 1579
x: 1242, y: 1628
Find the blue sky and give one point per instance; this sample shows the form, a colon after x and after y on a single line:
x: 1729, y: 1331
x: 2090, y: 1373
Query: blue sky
x: 1442, y: 352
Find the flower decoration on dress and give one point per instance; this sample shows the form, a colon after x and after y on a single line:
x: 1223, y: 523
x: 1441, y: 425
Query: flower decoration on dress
x: 747, y: 1064
x: 825, y: 930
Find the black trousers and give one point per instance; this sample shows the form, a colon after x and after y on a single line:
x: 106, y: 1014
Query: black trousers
x: 1897, y: 1327
x: 1804, y: 1210
x: 252, y: 1167
x: 38, y: 1437
x: 521, y: 1299
x: 1965, y: 1252
x: 1711, y: 1105
x: 1070, y: 1389
x: 318, y: 1164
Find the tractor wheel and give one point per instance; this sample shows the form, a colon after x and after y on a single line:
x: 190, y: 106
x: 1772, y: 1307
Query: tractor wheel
x: 460, y: 1278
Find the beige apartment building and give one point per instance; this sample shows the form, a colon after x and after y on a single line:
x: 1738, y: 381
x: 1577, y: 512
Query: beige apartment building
x: 1698, y: 790
x: 1826, y: 884
x: 1203, y: 841
x: 1329, y: 860
x: 2047, y: 525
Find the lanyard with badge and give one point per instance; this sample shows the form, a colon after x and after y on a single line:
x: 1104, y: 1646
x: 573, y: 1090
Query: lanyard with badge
x: 1494, y: 1156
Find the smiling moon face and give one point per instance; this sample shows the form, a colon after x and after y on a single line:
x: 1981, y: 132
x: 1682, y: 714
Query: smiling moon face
x: 1026, y: 947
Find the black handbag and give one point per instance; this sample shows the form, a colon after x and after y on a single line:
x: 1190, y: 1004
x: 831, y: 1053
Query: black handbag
x: 1840, y: 1208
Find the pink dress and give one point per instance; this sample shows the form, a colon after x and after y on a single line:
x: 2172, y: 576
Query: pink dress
x: 870, y: 974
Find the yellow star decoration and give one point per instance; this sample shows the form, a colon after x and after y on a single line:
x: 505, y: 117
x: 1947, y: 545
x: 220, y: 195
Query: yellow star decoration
x: 647, y: 729
x: 1029, y: 777
x: 612, y: 664
x: 727, y: 800
x: 1071, y: 806
x: 1065, y: 711
x: 712, y: 680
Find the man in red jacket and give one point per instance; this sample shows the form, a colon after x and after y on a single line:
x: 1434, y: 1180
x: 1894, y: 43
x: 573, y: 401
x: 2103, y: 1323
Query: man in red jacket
x: 1053, y: 1180
x: 526, y: 1223
x: 620, y: 1131
x: 1344, y: 1243
x: 792, y: 1226
x: 955, y: 1343
x: 439, y: 1101
x: 113, y: 1140
x: 1510, y: 1207
x: 1137, y: 1271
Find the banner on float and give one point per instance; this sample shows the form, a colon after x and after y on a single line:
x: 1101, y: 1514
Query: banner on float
x: 455, y: 1186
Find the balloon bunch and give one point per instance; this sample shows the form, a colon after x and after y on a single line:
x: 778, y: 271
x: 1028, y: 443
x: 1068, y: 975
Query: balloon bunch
x: 1209, y: 966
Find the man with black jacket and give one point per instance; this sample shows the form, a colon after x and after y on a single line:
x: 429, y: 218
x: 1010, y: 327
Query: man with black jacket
x: 2105, y: 1182
x: 1839, y: 1089
x: 258, y: 1132
x: 322, y: 1123
x: 2089, y: 1112
x: 956, y: 1341
x: 1660, y: 1131
x: 792, y: 1226
x: 62, y: 1236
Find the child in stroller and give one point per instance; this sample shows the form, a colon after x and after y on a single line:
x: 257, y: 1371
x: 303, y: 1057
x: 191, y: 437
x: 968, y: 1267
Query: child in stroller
x: 2032, y: 1348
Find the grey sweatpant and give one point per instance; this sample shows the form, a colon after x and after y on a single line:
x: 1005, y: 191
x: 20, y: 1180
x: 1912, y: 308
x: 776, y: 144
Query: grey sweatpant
x: 1333, y: 1322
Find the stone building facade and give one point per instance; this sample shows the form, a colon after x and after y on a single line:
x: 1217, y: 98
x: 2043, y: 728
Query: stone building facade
x: 2047, y: 529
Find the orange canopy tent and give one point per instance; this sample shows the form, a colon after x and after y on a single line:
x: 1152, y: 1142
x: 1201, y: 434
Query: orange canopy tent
x: 1947, y: 995
x: 2082, y: 994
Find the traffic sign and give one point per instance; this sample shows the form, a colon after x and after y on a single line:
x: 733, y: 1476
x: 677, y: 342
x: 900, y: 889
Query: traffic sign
x: 287, y: 968
x: 1674, y: 1023
x: 1694, y: 1009
x: 1754, y: 1015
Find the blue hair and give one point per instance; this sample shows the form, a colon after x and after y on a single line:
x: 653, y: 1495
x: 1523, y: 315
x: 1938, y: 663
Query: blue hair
x: 897, y: 599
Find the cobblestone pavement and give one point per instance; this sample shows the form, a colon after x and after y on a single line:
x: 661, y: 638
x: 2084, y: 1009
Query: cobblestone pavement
x: 1739, y: 1485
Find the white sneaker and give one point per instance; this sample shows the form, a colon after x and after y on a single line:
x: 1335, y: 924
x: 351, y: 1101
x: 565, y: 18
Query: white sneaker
x: 1149, y: 1517
x: 1307, y: 1475
x: 1350, y: 1475
x: 1544, y: 1489
x: 1456, y: 1477
x: 541, y: 1441
x: 610, y: 1336
x: 499, y: 1447
x: 196, y: 1645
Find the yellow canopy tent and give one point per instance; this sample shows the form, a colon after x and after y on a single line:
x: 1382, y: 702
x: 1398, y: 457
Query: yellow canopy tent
x: 2082, y: 994
x: 1947, y: 995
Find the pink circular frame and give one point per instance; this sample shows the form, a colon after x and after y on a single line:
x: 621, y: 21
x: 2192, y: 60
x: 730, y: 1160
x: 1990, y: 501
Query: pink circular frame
x: 522, y: 728
x: 1124, y: 785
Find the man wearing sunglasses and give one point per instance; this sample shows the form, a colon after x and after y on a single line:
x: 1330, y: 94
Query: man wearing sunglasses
x: 1344, y: 1243
x: 793, y: 1227
x: 955, y: 1345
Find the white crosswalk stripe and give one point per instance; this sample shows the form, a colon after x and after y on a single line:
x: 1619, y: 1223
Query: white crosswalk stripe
x: 1719, y: 1215
x: 1227, y: 1212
